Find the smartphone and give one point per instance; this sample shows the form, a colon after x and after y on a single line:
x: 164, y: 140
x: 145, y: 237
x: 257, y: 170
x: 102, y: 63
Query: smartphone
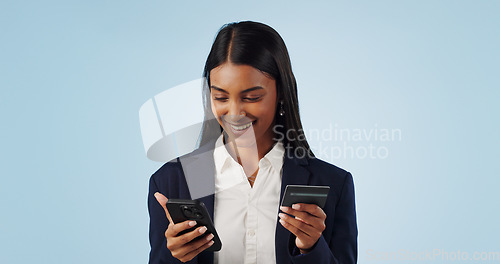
x: 308, y: 194
x: 181, y: 210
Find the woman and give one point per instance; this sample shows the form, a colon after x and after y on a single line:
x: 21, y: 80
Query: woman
x: 252, y: 145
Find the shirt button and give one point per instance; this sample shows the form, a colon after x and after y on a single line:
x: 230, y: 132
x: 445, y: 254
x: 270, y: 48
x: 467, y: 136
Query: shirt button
x: 251, y: 232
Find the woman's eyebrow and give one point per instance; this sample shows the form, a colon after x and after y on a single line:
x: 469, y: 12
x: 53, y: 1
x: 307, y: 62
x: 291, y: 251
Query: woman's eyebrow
x: 244, y: 91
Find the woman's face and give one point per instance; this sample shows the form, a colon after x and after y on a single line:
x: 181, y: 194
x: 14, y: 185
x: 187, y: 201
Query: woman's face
x: 244, y: 102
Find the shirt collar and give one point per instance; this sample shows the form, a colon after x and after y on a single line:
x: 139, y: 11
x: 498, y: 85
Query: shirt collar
x: 222, y: 158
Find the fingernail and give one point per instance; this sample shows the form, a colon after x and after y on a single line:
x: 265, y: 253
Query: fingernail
x: 209, y: 237
x: 203, y: 230
x: 296, y: 206
x: 211, y: 243
x: 282, y: 222
x: 281, y: 215
x: 192, y: 223
x: 284, y: 208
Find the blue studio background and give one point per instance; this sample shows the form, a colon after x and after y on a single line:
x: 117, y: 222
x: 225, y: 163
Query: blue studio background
x: 415, y: 82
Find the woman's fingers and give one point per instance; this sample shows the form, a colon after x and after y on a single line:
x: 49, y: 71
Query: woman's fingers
x: 303, y: 241
x: 179, y: 243
x: 197, y: 247
x: 293, y: 229
x: 307, y: 222
x: 174, y: 229
x: 306, y: 217
x: 299, y: 225
x: 163, y: 202
x: 189, y: 236
x: 310, y: 208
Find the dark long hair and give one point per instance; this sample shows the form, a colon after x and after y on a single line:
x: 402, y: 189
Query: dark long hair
x: 260, y: 46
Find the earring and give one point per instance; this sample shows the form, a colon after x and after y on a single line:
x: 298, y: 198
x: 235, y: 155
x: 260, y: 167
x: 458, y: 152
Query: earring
x: 282, y: 110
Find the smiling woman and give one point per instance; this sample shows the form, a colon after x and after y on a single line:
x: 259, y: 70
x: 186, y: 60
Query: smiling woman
x: 263, y: 57
x: 250, y: 98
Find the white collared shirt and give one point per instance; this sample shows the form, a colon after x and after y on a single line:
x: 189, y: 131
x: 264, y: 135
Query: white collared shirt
x: 245, y: 218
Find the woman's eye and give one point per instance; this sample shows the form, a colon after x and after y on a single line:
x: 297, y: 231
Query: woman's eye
x: 248, y: 99
x: 251, y: 99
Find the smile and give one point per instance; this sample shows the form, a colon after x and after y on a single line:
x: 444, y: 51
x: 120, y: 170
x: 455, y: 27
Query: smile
x: 241, y: 127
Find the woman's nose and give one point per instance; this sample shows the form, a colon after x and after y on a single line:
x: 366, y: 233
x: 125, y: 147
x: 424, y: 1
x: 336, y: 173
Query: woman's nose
x: 236, y: 112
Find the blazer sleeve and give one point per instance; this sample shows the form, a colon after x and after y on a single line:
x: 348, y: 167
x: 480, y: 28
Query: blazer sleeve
x: 343, y: 246
x: 158, y: 224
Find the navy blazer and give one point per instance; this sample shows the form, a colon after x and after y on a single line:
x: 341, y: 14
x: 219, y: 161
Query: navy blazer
x: 338, y: 243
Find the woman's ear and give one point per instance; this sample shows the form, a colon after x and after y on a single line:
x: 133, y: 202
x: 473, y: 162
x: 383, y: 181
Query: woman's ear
x: 279, y: 98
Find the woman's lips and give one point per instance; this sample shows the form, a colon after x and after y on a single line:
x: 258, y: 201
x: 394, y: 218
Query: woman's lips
x: 240, y: 128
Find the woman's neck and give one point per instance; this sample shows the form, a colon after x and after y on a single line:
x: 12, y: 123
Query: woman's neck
x: 249, y: 156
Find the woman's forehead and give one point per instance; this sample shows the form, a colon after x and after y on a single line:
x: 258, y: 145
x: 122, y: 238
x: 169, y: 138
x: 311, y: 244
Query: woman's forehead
x: 232, y: 76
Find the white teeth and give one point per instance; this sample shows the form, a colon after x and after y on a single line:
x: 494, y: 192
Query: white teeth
x: 243, y: 127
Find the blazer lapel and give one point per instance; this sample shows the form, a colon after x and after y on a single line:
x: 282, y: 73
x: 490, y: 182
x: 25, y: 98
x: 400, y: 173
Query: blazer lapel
x: 199, y: 168
x: 294, y: 173
x: 199, y: 172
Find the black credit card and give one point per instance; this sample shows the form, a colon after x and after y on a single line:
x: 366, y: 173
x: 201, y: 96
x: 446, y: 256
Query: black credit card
x: 305, y: 194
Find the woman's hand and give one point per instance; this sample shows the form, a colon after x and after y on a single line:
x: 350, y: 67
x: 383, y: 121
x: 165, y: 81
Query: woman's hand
x: 307, y: 225
x: 182, y: 246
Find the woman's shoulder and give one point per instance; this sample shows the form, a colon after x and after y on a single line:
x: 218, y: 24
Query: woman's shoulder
x: 169, y: 166
x: 325, y: 173
x: 316, y: 164
x: 174, y: 168
x: 167, y: 171
x: 169, y: 180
